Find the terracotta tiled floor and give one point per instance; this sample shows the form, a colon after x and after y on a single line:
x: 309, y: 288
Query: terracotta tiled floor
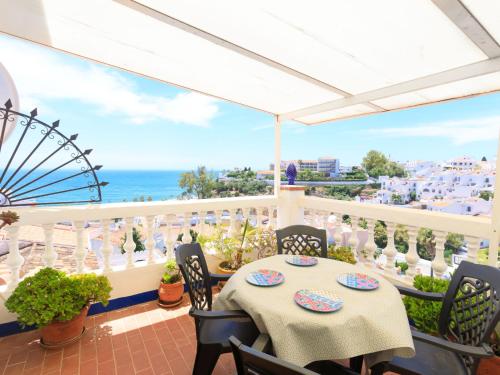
x: 141, y: 339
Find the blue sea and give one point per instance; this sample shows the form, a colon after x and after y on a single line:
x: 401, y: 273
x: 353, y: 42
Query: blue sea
x: 123, y: 185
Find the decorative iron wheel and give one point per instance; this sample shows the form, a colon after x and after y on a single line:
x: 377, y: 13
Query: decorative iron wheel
x: 41, y: 166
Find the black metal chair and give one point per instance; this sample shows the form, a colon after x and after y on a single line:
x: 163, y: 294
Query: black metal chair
x: 251, y: 361
x: 213, y: 328
x: 302, y: 240
x: 470, y: 312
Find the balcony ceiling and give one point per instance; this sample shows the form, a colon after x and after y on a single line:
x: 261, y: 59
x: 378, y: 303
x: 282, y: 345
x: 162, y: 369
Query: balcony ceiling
x: 310, y: 61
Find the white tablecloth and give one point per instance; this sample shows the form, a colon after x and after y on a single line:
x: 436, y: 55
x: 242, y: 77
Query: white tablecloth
x: 372, y: 323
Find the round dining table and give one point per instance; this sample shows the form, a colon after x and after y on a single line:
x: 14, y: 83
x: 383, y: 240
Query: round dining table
x: 372, y: 323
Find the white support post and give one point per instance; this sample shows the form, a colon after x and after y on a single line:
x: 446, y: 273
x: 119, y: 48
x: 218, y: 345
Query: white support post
x: 14, y: 259
x: 473, y: 244
x: 390, y: 251
x: 353, y: 239
x: 80, y: 251
x: 337, y: 230
x: 495, y: 217
x: 129, y: 245
x: 106, y: 245
x: 370, y: 246
x: 411, y: 256
x: 150, y: 241
x: 439, y: 265
x: 49, y: 256
x: 277, y: 156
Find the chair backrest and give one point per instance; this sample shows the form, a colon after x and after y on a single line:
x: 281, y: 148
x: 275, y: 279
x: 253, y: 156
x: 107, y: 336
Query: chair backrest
x: 302, y: 240
x: 471, y: 307
x: 250, y: 361
x: 193, y: 266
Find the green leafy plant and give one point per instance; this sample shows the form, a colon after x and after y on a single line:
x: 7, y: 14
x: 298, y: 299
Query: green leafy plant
x: 192, y: 233
x: 137, y: 237
x: 51, y: 296
x: 8, y: 218
x: 425, y: 314
x: 403, y: 266
x: 172, y: 273
x: 341, y: 253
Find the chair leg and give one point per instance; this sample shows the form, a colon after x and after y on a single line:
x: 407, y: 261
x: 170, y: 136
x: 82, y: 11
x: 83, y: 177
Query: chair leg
x: 356, y: 363
x: 206, y: 359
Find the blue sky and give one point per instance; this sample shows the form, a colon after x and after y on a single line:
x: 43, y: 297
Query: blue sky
x: 137, y: 123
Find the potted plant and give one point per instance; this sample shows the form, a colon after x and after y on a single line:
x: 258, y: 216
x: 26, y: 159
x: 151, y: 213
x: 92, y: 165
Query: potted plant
x: 232, y: 250
x: 341, y: 253
x: 57, y: 303
x: 171, y: 288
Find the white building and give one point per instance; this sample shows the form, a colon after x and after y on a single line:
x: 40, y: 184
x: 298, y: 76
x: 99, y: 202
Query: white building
x: 328, y: 165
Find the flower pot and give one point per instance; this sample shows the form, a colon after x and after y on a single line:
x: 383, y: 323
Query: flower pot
x: 170, y: 295
x: 58, y: 334
x: 223, y: 270
x: 489, y: 366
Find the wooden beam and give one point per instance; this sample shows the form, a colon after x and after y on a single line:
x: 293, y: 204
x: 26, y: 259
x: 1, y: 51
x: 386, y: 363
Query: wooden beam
x: 457, y: 74
x: 469, y: 25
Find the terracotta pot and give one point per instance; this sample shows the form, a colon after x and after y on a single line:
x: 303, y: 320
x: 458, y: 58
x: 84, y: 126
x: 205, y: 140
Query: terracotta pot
x: 489, y: 366
x: 224, y: 270
x: 58, y: 334
x: 170, y: 294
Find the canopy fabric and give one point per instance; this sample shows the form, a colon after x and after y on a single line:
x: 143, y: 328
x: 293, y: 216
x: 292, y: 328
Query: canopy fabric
x: 312, y: 62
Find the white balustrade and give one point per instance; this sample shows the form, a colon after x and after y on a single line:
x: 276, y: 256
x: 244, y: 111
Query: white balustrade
x: 439, y: 266
x: 370, y: 246
x: 473, y: 244
x: 129, y: 245
x: 107, y: 249
x: 186, y: 233
x: 14, y: 260
x: 411, y: 256
x: 353, y: 239
x: 80, y: 251
x: 49, y: 255
x: 390, y: 250
x: 150, y: 241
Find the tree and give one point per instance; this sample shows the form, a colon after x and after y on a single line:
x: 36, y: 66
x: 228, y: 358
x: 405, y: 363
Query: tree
x: 413, y: 196
x: 396, y: 198
x: 426, y: 244
x: 376, y: 164
x: 197, y: 183
x: 486, y: 195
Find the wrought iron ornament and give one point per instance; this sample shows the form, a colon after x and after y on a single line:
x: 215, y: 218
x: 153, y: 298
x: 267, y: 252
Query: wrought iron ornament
x: 28, y: 173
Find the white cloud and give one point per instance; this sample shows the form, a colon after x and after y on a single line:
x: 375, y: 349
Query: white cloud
x: 459, y: 132
x: 42, y: 75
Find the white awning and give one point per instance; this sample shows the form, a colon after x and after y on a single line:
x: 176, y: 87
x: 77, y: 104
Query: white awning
x: 313, y: 61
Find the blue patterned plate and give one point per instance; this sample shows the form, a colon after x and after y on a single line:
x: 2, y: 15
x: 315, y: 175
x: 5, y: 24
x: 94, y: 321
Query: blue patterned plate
x: 301, y: 260
x: 265, y: 278
x: 318, y: 300
x: 359, y: 281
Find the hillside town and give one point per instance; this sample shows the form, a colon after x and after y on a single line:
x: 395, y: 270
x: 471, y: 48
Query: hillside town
x: 459, y: 186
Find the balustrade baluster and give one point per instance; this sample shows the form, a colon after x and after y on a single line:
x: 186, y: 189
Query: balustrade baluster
x: 390, y: 251
x: 273, y: 217
x: 14, y: 260
x: 80, y: 251
x: 473, y: 245
x: 411, y: 256
x: 169, y: 241
x: 201, y: 222
x: 129, y: 245
x: 353, y: 239
x: 370, y: 246
x: 439, y: 266
x: 106, y: 245
x: 259, y: 211
x: 186, y: 236
x: 150, y: 241
x: 49, y: 256
x: 337, y: 230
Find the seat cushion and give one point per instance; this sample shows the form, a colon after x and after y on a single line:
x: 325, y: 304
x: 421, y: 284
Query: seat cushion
x: 429, y: 360
x: 218, y: 331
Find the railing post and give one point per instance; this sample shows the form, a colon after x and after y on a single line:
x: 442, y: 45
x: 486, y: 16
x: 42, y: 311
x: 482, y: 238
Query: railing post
x: 370, y: 246
x: 439, y: 266
x: 80, y: 251
x: 14, y: 259
x: 412, y: 257
x: 202, y: 215
x: 106, y: 245
x: 129, y: 245
x: 353, y: 239
x: 150, y: 242
x: 290, y: 211
x: 337, y: 229
x: 186, y: 235
x: 473, y: 244
x: 49, y: 256
x: 390, y: 251
x: 259, y: 212
x: 169, y: 241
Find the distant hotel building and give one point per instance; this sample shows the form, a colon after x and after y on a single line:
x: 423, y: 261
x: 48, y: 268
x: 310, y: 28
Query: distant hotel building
x: 326, y: 165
